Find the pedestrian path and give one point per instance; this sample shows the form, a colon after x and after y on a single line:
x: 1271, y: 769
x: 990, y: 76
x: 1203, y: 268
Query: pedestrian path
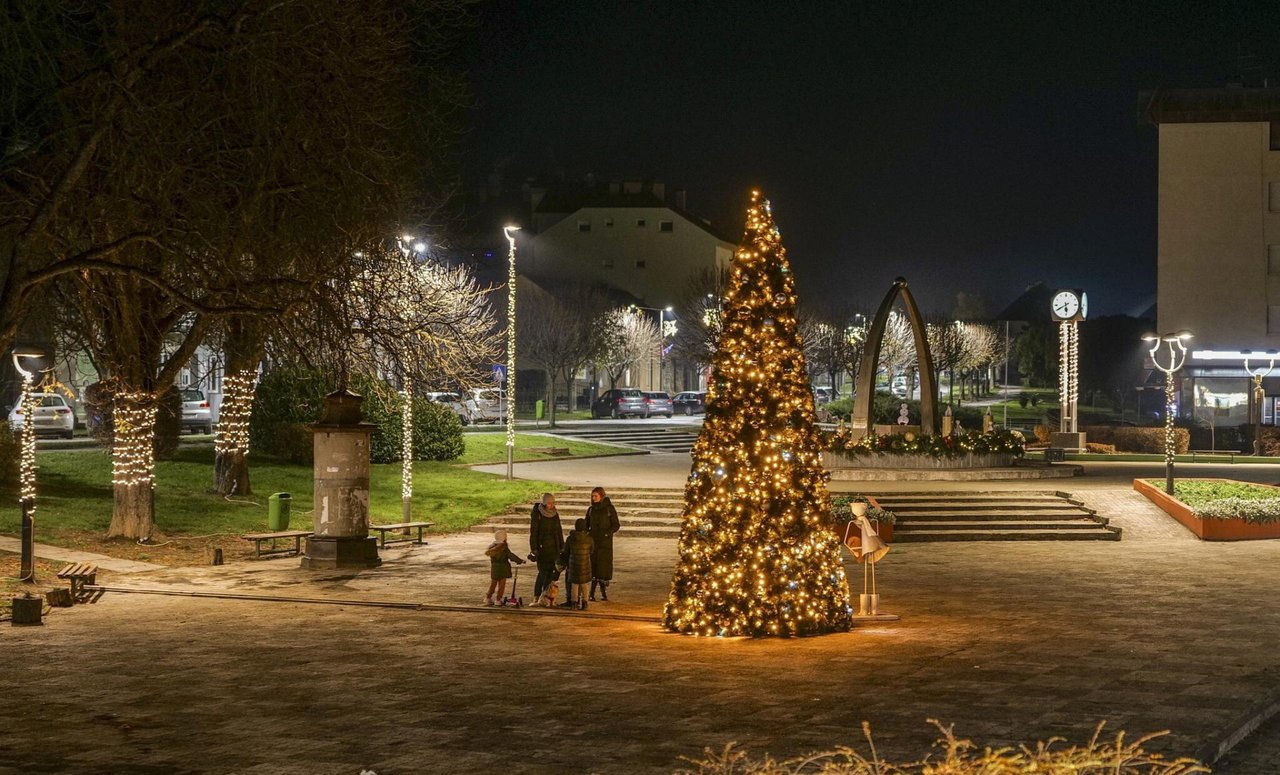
x: 59, y: 554
x: 676, y: 440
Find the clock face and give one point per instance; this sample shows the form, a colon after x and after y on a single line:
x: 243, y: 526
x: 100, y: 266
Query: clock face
x: 1084, y: 305
x: 1065, y: 305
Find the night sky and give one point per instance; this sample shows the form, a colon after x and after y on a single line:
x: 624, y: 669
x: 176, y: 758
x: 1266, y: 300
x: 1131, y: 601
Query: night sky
x: 967, y: 147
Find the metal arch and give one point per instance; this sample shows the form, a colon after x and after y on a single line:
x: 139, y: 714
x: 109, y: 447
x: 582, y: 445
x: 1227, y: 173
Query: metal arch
x: 863, y: 402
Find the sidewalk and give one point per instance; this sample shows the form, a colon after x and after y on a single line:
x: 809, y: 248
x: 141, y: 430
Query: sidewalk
x: 58, y: 554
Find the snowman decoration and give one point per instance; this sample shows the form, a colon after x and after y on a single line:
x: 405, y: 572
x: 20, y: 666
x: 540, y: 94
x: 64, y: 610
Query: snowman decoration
x: 903, y: 415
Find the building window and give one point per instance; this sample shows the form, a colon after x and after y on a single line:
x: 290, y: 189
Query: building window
x: 584, y: 226
x: 608, y: 222
x: 1273, y: 196
x: 607, y: 263
x: 640, y: 224
x: 1273, y: 259
x: 640, y: 263
x: 666, y: 226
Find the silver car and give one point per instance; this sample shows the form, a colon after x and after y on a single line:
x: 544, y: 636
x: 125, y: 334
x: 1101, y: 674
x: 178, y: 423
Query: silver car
x: 620, y: 403
x: 464, y: 409
x: 488, y: 404
x: 197, y: 415
x: 54, y: 415
x: 658, y: 403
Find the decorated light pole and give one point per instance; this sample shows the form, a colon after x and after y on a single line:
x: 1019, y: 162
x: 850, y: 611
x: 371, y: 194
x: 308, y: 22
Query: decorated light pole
x: 510, y: 388
x: 1174, y: 359
x: 27, y: 461
x: 1259, y: 395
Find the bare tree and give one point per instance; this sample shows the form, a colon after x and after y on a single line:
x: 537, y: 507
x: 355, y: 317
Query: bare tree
x: 559, y: 332
x: 947, y: 346
x: 898, y: 349
x: 698, y: 311
x: 626, y: 338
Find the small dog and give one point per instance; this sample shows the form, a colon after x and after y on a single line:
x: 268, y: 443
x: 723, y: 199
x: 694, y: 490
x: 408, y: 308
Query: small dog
x: 548, y: 598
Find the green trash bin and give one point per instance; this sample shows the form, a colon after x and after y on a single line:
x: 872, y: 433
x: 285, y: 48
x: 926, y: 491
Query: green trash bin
x: 539, y: 409
x: 278, y: 511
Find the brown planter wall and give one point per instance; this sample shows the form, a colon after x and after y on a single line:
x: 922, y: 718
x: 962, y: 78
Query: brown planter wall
x: 1207, y: 529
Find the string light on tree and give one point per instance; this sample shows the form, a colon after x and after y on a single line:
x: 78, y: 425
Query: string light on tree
x: 27, y: 468
x: 406, y: 450
x: 758, y: 553
x: 231, y: 434
x: 132, y: 452
x: 1170, y: 360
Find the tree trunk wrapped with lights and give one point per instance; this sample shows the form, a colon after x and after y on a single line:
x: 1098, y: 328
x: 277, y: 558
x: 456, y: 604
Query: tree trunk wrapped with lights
x: 133, y: 465
x: 758, y: 553
x: 231, y: 439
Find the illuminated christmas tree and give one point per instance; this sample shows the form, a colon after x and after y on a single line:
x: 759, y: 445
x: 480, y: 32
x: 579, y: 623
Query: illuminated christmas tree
x: 758, y: 555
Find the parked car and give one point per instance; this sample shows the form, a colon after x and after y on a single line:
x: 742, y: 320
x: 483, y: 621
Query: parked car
x: 488, y: 405
x: 54, y: 415
x: 464, y: 409
x: 690, y: 402
x: 620, y: 403
x: 658, y: 402
x: 823, y: 395
x: 197, y: 415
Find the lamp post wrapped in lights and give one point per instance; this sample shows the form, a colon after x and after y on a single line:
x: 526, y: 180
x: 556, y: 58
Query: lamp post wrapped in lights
x: 27, y: 462
x: 510, y: 386
x: 1176, y: 358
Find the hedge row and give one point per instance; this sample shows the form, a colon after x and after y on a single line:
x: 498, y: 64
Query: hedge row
x: 1134, y: 439
x: 289, y: 400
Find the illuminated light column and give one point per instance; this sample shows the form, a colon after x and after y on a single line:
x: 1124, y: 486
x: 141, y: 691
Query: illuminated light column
x: 510, y: 387
x: 1259, y: 395
x: 27, y: 468
x: 1068, y: 374
x: 1176, y: 358
x: 406, y: 453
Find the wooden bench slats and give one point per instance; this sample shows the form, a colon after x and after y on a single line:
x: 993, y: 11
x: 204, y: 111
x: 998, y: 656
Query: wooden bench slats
x: 281, y: 534
x: 405, y: 526
x: 259, y: 538
x: 79, y: 569
x: 401, y: 525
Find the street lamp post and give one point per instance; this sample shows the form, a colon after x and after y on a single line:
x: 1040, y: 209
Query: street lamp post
x: 1176, y: 356
x: 1259, y: 395
x: 510, y: 381
x: 662, y: 339
x: 27, y: 471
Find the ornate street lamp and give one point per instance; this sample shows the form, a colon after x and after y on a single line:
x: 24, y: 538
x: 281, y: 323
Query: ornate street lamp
x: 1175, y: 358
x: 510, y: 383
x: 1259, y: 395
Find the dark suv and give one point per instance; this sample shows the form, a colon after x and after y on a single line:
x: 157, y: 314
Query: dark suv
x: 690, y: 402
x: 657, y: 403
x: 620, y: 403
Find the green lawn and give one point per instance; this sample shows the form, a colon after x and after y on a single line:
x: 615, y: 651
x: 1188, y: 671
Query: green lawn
x: 75, y: 489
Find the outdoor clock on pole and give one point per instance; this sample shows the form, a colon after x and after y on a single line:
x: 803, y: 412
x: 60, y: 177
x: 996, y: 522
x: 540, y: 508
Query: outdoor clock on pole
x: 1069, y: 305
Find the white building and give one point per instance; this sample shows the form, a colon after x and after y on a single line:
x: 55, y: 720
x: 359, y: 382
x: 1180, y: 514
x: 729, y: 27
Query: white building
x: 1219, y: 240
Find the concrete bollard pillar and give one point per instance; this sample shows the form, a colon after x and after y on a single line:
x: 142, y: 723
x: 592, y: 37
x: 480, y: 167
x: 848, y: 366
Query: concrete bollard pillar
x: 341, y: 517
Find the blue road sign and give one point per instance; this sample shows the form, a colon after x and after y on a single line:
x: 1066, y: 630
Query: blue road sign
x: 499, y: 372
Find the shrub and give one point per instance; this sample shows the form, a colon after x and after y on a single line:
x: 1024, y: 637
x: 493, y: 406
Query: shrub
x: 10, y: 457
x: 885, y: 409
x: 1024, y: 398
x: 288, y: 400
x: 1035, y: 399
x: 1135, y: 439
x: 841, y: 408
x: 1042, y: 433
x: 1099, y: 449
x: 841, y: 509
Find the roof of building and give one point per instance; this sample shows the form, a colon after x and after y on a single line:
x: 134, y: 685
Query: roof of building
x: 566, y: 201
x: 1191, y: 106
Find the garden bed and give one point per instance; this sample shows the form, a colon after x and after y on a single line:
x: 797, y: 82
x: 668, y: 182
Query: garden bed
x: 1193, y: 498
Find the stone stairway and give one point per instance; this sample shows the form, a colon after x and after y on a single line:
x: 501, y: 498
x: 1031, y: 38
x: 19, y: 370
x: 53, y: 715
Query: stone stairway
x: 643, y: 513
x: 655, y: 439
x: 1015, y: 515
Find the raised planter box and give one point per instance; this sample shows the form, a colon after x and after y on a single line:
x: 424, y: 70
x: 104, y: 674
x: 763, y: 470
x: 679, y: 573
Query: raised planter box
x: 1207, y: 529
x: 839, y: 460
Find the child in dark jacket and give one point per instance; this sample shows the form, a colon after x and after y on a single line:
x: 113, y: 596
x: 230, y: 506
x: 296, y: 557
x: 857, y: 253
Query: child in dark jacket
x: 500, y: 557
x: 576, y: 559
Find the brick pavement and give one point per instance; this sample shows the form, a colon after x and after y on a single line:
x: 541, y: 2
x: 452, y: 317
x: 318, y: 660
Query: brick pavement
x: 1011, y: 642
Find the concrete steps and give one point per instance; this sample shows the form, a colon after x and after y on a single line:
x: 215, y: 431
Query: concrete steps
x: 642, y: 513
x: 674, y: 440
x: 993, y: 516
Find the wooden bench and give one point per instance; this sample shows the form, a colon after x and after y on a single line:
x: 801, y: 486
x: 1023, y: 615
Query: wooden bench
x: 1227, y: 453
x: 405, y: 526
x: 260, y: 538
x: 79, y: 574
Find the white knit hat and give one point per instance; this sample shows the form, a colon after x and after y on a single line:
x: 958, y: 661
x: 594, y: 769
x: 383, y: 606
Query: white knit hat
x: 500, y: 536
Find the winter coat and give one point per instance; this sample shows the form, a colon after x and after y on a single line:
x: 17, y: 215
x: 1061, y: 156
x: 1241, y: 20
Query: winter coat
x: 546, y: 539
x: 500, y: 559
x: 602, y: 522
x: 576, y: 557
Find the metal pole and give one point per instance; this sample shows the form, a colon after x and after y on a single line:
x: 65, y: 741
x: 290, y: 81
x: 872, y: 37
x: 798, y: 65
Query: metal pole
x: 27, y: 474
x: 1168, y: 432
x: 1005, y: 403
x: 510, y: 381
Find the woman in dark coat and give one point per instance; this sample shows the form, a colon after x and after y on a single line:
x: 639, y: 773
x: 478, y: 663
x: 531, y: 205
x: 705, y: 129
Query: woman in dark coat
x: 546, y: 540
x: 602, y: 523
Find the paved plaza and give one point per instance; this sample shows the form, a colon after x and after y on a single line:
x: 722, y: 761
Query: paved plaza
x: 1010, y: 641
